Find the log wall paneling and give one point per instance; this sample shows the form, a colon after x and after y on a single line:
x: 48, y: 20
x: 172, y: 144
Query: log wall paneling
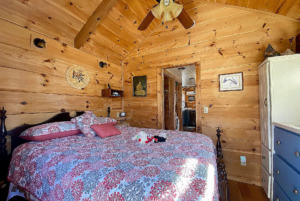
x: 198, y: 98
x: 172, y: 101
x: 167, y: 103
x: 226, y: 39
x: 160, y: 103
x: 179, y: 104
x: 33, y: 85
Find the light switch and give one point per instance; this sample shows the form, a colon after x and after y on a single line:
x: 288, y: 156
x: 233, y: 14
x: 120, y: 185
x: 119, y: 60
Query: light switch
x: 205, y: 110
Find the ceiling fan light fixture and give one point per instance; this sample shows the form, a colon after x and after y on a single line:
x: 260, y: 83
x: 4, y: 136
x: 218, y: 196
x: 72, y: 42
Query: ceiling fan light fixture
x: 168, y: 10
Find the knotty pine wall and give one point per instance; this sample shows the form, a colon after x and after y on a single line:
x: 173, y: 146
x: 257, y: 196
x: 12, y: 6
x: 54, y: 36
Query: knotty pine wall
x: 224, y: 40
x: 33, y: 84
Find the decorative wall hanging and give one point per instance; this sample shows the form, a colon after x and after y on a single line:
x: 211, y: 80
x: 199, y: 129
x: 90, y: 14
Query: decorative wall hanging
x: 102, y: 64
x: 231, y: 82
x: 139, y: 86
x: 191, y: 98
x: 289, y: 51
x: 39, y: 43
x: 77, y: 77
x: 270, y: 52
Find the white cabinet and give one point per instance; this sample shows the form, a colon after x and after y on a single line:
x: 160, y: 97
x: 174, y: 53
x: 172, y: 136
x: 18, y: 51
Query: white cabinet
x: 279, y: 91
x: 265, y: 117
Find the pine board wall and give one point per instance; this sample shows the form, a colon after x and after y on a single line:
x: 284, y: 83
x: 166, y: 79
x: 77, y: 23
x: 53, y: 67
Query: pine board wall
x: 33, y: 84
x: 225, y: 39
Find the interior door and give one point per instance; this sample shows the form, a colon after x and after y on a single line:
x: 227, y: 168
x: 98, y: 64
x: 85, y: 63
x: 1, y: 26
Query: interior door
x: 265, y: 116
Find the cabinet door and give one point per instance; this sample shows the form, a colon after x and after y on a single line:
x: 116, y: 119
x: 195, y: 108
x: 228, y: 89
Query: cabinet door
x: 265, y: 106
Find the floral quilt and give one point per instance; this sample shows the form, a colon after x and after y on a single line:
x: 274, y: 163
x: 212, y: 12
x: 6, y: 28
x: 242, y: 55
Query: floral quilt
x: 118, y: 168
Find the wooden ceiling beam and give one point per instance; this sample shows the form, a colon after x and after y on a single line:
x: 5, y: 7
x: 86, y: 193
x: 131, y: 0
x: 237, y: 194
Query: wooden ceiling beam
x: 90, y: 26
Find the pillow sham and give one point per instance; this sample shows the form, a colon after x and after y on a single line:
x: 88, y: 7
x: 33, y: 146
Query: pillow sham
x: 105, y: 120
x: 84, y: 123
x: 50, y: 131
x: 105, y: 130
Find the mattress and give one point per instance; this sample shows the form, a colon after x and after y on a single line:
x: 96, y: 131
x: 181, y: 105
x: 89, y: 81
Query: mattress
x: 118, y: 168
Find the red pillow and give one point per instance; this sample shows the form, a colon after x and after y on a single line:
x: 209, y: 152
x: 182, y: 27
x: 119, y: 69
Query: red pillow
x: 50, y: 131
x: 105, y: 130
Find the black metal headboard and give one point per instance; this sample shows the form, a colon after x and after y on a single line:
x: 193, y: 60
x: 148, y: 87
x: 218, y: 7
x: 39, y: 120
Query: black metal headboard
x: 16, y: 132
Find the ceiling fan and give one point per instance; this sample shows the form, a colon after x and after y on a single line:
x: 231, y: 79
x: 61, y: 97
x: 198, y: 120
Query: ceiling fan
x: 167, y: 10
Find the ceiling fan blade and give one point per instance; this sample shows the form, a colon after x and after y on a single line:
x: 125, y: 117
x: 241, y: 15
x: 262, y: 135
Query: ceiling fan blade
x: 146, y: 22
x: 185, y: 19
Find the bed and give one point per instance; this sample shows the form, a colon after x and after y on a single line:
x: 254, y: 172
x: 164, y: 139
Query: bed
x: 185, y: 167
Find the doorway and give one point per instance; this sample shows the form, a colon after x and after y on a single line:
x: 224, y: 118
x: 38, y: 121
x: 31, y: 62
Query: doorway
x: 179, y: 98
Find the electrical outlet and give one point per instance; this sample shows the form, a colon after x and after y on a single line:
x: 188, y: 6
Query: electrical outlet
x: 118, y: 114
x: 205, y: 110
x: 243, y: 160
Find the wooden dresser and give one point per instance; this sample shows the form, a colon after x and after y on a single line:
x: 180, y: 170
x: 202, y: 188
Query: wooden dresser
x: 279, y: 88
x: 286, y: 166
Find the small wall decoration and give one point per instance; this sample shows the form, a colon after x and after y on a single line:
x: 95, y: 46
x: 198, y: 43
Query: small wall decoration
x: 139, y: 86
x: 77, y: 77
x: 231, y: 82
x: 270, y: 52
x: 191, y: 98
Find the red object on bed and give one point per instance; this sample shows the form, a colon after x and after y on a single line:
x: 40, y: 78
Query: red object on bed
x: 50, y: 131
x: 105, y: 130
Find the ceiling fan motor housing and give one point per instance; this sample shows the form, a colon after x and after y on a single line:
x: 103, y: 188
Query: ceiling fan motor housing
x: 167, y: 10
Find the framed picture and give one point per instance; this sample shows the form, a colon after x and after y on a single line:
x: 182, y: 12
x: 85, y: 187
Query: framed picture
x: 139, y: 85
x: 231, y: 82
x: 191, y: 98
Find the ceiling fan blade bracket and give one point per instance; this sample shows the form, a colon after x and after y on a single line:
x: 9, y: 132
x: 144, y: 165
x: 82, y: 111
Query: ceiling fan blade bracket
x: 185, y: 19
x: 146, y: 22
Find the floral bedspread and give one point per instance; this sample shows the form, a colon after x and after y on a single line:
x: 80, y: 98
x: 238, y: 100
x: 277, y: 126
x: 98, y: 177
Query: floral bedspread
x: 118, y: 168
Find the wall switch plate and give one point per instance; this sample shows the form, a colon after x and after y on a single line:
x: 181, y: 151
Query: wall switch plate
x: 243, y: 160
x: 118, y: 114
x: 205, y: 110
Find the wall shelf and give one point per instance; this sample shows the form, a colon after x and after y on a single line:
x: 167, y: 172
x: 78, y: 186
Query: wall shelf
x: 109, y: 93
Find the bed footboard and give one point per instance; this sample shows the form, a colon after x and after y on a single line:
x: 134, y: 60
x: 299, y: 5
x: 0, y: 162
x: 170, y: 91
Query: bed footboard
x: 222, y: 175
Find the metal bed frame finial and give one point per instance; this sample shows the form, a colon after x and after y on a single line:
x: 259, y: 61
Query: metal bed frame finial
x: 3, y: 134
x: 219, y: 146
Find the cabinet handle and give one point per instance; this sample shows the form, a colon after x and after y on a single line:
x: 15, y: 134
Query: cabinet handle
x: 263, y: 157
x: 278, y: 142
x: 277, y: 172
x: 265, y: 102
x: 295, y: 192
x: 297, y: 153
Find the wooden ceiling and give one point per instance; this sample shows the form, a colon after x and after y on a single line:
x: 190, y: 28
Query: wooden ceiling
x: 117, y: 35
x: 289, y: 8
